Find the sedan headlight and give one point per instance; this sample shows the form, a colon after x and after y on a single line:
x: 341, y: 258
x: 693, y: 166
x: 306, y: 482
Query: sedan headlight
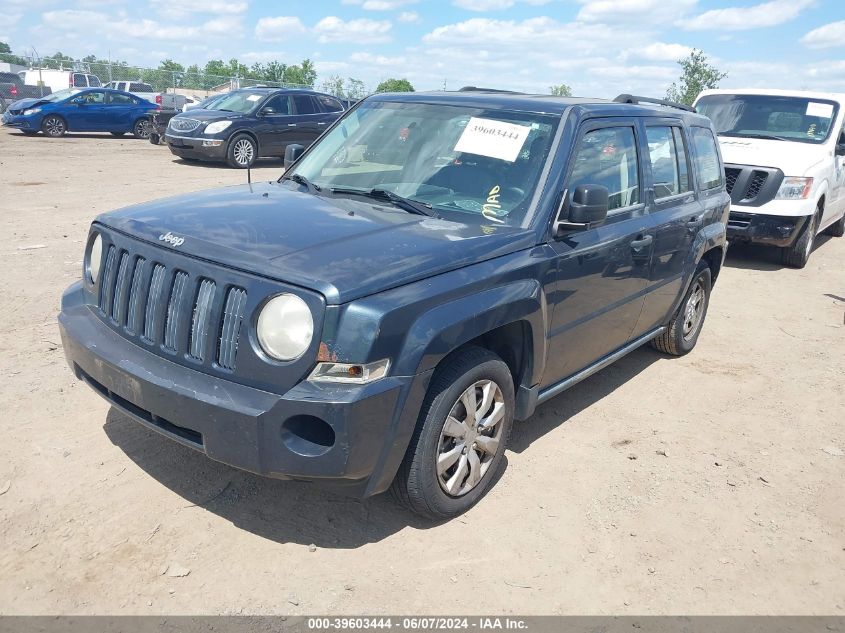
x: 217, y: 126
x: 285, y: 327
x: 794, y: 189
x: 94, y: 259
x: 31, y: 111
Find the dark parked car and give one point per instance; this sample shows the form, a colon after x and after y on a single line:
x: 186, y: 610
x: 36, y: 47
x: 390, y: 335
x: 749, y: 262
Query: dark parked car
x: 12, y: 88
x: 376, y: 324
x: 89, y: 110
x: 247, y: 124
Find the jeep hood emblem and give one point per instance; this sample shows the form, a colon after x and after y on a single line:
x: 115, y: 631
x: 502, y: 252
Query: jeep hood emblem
x: 173, y: 240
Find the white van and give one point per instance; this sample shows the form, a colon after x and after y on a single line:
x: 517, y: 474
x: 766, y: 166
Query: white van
x: 59, y: 79
x: 784, y: 154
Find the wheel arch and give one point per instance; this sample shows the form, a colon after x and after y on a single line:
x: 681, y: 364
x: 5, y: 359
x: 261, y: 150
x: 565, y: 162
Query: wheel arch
x: 236, y: 133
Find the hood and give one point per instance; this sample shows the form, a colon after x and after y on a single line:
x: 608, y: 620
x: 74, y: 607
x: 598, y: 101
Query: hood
x: 341, y: 247
x: 23, y: 104
x: 201, y: 114
x: 792, y: 158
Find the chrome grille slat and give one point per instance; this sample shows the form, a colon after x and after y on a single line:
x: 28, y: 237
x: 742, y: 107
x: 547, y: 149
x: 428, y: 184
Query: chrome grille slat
x: 118, y: 305
x: 183, y: 124
x: 199, y: 322
x: 135, y: 294
x: 153, y: 298
x: 107, y: 280
x: 230, y: 328
x: 171, y: 324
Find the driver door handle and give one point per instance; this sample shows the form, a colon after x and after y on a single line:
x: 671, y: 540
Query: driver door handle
x: 641, y: 244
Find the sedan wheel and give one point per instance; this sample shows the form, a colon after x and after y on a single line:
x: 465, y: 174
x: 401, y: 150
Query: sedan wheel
x: 54, y: 126
x: 141, y: 129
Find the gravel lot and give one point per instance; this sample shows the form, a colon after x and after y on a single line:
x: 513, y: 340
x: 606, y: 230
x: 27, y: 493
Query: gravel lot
x: 712, y: 483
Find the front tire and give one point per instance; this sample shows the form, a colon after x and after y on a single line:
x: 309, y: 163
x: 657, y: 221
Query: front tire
x: 242, y: 152
x: 797, y: 255
x: 54, y: 126
x: 682, y: 334
x: 141, y: 129
x: 460, y: 439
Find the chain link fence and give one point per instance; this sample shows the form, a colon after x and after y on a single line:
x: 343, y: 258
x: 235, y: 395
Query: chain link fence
x: 161, y: 79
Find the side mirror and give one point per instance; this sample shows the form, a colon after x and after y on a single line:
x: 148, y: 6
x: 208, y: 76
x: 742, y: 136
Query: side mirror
x: 292, y: 154
x: 587, y: 208
x: 840, y: 148
x: 267, y: 112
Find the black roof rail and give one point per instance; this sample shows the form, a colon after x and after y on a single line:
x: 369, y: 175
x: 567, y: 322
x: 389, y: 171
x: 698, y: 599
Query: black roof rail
x: 494, y: 90
x: 626, y: 98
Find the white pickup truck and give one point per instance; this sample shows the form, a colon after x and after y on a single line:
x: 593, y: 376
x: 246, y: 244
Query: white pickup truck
x: 784, y: 155
x: 137, y: 88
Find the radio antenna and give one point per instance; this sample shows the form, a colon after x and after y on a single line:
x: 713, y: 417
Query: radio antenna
x: 248, y: 175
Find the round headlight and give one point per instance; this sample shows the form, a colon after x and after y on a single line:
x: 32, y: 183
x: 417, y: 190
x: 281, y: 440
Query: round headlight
x: 95, y: 257
x: 285, y: 327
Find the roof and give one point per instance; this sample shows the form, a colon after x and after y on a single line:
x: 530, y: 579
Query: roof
x: 831, y: 96
x: 541, y: 104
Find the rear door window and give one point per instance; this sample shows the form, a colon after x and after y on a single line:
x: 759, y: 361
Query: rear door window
x: 303, y: 104
x: 330, y: 104
x: 668, y: 161
x: 120, y: 99
x: 79, y: 81
x: 94, y: 81
x: 707, y: 165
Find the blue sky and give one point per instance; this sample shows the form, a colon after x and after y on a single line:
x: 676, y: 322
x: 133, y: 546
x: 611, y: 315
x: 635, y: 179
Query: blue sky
x: 599, y: 47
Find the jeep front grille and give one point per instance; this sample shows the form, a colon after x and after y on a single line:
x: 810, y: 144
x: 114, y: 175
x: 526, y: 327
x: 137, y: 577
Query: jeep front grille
x: 168, y: 307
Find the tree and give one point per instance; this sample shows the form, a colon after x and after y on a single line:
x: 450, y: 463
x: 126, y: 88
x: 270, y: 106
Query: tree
x: 355, y: 89
x: 5, y: 48
x: 561, y: 90
x: 6, y: 56
x: 303, y: 74
x: 395, y: 85
x: 334, y: 86
x: 696, y: 75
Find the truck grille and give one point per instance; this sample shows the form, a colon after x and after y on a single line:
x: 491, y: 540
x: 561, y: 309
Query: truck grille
x: 180, y: 124
x: 170, y: 308
x: 751, y: 186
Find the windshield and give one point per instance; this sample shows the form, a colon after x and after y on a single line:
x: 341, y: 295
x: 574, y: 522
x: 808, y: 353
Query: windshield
x: 240, y: 101
x: 67, y: 93
x: 783, y: 118
x: 464, y: 163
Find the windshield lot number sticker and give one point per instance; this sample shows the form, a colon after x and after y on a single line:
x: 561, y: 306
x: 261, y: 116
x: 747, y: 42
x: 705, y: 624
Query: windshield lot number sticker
x: 821, y: 110
x: 495, y: 139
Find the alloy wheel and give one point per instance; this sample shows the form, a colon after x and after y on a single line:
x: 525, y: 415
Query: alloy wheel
x: 142, y: 129
x: 694, y: 310
x: 470, y: 437
x: 243, y: 152
x: 54, y: 126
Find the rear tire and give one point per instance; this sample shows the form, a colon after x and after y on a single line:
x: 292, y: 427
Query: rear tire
x: 155, y: 139
x: 837, y: 229
x: 797, y: 255
x: 54, y: 126
x: 683, y: 331
x: 142, y: 128
x: 242, y: 152
x: 459, y: 443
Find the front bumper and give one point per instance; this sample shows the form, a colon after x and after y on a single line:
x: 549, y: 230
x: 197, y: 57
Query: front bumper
x: 242, y: 426
x: 190, y: 147
x: 18, y: 121
x: 771, y: 230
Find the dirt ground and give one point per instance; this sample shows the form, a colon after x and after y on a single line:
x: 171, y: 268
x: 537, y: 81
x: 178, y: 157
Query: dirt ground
x: 709, y: 484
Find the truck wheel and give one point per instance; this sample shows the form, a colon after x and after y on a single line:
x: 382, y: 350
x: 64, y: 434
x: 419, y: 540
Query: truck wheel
x: 141, y: 129
x: 155, y: 139
x: 460, y: 439
x: 837, y: 229
x: 682, y: 334
x: 242, y: 152
x: 54, y: 126
x: 796, y: 256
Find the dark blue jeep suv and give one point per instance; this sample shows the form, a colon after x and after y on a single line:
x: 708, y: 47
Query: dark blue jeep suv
x: 430, y: 270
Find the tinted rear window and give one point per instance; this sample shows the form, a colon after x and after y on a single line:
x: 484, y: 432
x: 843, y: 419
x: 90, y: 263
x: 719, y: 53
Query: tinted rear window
x: 303, y: 104
x: 706, y: 158
x: 329, y: 104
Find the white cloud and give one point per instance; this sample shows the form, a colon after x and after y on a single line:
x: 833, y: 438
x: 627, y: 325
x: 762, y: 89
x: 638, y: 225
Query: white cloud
x: 377, y: 60
x: 660, y: 52
x: 184, y: 8
x: 409, y: 16
x: 379, y: 5
x: 648, y: 11
x: 484, y: 5
x: 278, y: 28
x: 262, y: 56
x: 333, y: 29
x: 744, y: 18
x: 826, y: 36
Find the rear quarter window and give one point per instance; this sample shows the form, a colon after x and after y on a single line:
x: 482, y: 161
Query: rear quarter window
x: 329, y: 104
x: 708, y: 167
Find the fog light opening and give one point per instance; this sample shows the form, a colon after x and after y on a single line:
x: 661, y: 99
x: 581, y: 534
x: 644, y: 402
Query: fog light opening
x: 308, y: 435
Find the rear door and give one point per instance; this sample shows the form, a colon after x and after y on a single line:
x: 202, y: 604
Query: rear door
x: 601, y: 272
x: 122, y: 109
x: 675, y: 214
x: 310, y: 121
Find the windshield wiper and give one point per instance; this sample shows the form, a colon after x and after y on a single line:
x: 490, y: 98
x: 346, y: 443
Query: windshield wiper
x: 406, y: 204
x: 302, y: 180
x: 768, y: 137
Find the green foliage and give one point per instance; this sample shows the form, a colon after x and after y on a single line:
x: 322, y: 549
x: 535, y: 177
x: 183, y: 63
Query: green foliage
x: 395, y: 85
x: 5, y: 48
x: 696, y: 75
x: 6, y: 56
x: 561, y: 90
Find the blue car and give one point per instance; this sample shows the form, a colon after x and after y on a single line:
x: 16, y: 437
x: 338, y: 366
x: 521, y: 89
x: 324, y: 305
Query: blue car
x: 89, y: 110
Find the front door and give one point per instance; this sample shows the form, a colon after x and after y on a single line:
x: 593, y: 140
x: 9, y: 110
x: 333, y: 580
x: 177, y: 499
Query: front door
x: 601, y: 272
x: 675, y: 215
x: 276, y: 125
x: 88, y: 115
